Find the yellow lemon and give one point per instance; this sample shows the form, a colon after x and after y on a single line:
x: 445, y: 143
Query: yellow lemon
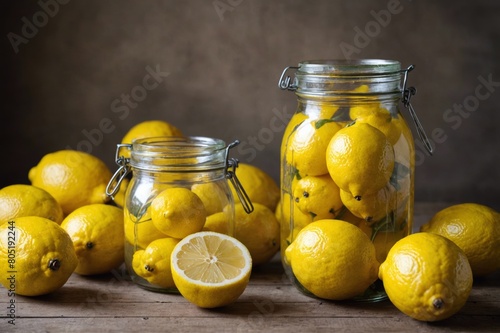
x: 360, y: 159
x: 25, y: 200
x: 97, y: 234
x: 475, y: 229
x: 259, y: 231
x: 178, y: 212
x: 289, y: 210
x: 297, y: 119
x: 426, y: 276
x: 148, y: 129
x: 140, y: 231
x: 214, y: 197
x: 372, y: 207
x: 73, y: 178
x: 260, y: 187
x: 211, y: 269
x: 318, y: 196
x: 218, y: 222
x: 39, y: 252
x: 153, y: 263
x: 307, y: 146
x: 378, y: 117
x: 333, y: 259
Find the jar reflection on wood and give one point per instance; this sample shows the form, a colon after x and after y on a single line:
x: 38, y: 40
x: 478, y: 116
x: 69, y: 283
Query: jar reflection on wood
x: 179, y: 186
x: 322, y: 179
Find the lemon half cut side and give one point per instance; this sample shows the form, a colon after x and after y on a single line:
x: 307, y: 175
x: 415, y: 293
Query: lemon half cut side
x: 211, y: 269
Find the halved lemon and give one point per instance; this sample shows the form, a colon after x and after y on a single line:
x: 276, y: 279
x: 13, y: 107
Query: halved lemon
x: 211, y: 269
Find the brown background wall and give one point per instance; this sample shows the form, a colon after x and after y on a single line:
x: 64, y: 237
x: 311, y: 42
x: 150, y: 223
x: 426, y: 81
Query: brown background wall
x: 224, y: 59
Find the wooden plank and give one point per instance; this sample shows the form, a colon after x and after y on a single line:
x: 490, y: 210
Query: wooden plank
x: 255, y: 323
x: 108, y: 288
x: 243, y: 307
x: 112, y: 303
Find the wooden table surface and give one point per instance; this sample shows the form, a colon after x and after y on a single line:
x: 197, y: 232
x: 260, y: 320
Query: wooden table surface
x: 111, y: 303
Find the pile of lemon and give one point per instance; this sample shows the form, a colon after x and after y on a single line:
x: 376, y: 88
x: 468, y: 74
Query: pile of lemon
x: 427, y: 275
x: 63, y: 223
x: 59, y: 224
x: 343, y: 177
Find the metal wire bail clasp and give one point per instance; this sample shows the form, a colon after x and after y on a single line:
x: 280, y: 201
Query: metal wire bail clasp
x: 285, y: 82
x: 407, y: 94
x: 231, y: 175
x: 124, y: 168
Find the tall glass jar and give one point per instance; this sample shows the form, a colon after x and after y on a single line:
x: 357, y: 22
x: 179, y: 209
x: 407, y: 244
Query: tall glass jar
x: 179, y: 186
x: 333, y: 95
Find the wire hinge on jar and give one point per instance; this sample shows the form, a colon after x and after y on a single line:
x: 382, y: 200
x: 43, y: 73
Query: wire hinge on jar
x: 285, y: 82
x: 407, y: 93
x: 124, y: 168
x: 231, y: 175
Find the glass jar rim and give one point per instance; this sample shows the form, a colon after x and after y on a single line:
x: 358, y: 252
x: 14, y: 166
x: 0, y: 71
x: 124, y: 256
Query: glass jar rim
x: 349, y: 67
x: 160, y: 143
x: 343, y: 77
x: 188, y: 153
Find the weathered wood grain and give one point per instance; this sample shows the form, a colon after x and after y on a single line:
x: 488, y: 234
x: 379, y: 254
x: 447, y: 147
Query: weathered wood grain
x: 112, y: 303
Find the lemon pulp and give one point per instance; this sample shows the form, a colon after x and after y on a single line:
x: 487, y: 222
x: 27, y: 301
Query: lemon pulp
x: 211, y: 269
x: 210, y: 259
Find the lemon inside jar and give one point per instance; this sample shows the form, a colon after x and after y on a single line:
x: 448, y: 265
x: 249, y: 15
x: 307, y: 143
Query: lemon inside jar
x: 348, y: 131
x: 176, y: 184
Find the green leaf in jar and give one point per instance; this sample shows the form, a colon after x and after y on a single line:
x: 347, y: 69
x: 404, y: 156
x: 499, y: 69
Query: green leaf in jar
x: 399, y: 172
x: 342, y: 114
x: 386, y: 224
x: 321, y: 122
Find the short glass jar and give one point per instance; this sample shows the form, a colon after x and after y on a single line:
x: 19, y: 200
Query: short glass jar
x: 333, y: 95
x: 198, y: 164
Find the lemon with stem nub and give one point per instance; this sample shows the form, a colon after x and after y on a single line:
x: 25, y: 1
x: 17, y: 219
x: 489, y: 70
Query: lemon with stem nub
x: 44, y: 255
x: 318, y: 196
x: 360, y: 159
x: 153, y: 263
x: 372, y: 207
x: 97, y: 232
x: 426, y: 276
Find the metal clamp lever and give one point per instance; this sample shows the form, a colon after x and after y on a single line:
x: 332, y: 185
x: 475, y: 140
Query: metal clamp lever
x: 285, y: 82
x: 231, y: 175
x: 114, y: 183
x: 407, y: 93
